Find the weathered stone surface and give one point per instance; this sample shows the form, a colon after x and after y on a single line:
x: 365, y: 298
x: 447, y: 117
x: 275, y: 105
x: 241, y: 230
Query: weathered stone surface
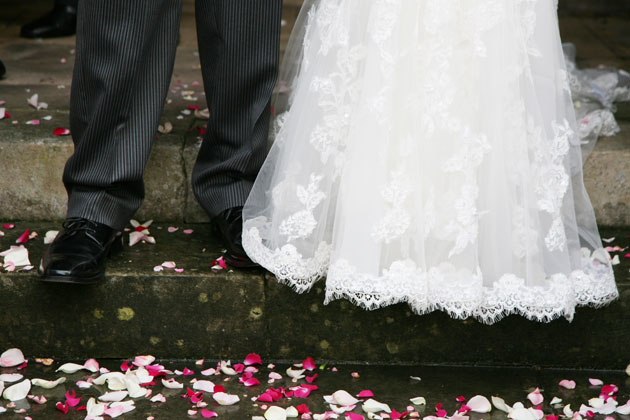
x: 607, y: 179
x: 227, y: 314
x: 198, y: 313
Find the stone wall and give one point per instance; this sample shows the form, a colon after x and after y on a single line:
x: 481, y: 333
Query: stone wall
x: 600, y: 7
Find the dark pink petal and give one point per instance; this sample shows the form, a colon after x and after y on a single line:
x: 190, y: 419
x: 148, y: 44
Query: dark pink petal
x: 253, y: 359
x: 71, y: 399
x: 310, y: 379
x: 551, y: 417
x: 125, y: 366
x: 9, y: 225
x: 62, y: 407
x: 208, y: 414
x: 396, y: 415
x: 60, y: 131
x: 366, y: 393
x: 23, y: 237
x: 461, y: 399
x: 219, y: 388
x: 188, y: 372
x: 251, y: 382
x: 441, y: 413
x: 309, y: 364
x: 239, y: 368
x: 303, y: 409
x: 353, y: 416
x: 265, y: 397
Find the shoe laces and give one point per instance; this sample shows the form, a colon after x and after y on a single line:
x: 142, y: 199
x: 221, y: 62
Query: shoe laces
x: 73, y: 226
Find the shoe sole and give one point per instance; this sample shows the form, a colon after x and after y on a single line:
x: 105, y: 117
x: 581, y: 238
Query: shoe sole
x: 115, y: 248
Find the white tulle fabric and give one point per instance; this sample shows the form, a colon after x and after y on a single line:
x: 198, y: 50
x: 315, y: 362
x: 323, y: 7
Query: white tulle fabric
x: 428, y: 153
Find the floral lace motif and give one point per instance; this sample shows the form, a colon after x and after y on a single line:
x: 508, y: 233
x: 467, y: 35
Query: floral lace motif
x: 302, y: 223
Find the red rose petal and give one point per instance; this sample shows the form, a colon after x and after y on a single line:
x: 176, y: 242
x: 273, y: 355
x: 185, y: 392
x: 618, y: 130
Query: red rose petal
x: 60, y: 131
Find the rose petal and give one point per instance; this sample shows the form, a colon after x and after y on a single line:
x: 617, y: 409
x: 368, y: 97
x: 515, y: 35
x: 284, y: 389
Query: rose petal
x: 353, y: 416
x: 70, y: 368
x: 18, y: 391
x: 309, y: 364
x: 11, y: 377
x: 206, y: 386
x: 225, y: 399
x: 536, y: 397
x: 113, y: 396
x: 275, y: 413
x: 521, y: 414
x: 295, y: 373
x: 188, y: 231
x: 172, y: 384
x: 208, y: 414
x: 91, y: 365
x: 418, y: 401
x: 42, y: 383
x: 566, y: 383
x: 18, y: 257
x: 50, y: 236
x: 373, y: 406
x: 60, y: 131
x: 252, y: 359
x: 343, y: 398
x: 251, y: 382
x: 23, y: 237
x: 479, y: 404
x: 158, y: 398
x: 208, y: 372
x: 366, y: 393
x: 555, y: 401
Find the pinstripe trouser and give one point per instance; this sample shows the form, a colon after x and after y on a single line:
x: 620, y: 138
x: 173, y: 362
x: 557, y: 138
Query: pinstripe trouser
x: 124, y: 62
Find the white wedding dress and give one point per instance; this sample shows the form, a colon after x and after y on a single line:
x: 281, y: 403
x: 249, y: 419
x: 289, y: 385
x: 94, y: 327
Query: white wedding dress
x: 427, y: 153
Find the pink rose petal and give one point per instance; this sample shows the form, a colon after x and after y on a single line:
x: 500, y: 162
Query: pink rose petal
x: 536, y: 397
x: 353, y: 416
x: 566, y: 383
x: 252, y: 359
x: 208, y: 414
x: 188, y: 231
x: 11, y: 358
x: 23, y: 237
x: 71, y: 399
x: 60, y: 131
x: 309, y: 364
x: 92, y: 365
x: 366, y: 393
x: 595, y: 382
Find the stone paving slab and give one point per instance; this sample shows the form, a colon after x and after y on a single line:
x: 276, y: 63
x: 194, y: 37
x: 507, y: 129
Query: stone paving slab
x: 226, y: 314
x: 390, y: 385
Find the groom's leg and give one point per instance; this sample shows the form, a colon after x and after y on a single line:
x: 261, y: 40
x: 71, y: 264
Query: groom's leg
x: 239, y: 42
x: 124, y: 61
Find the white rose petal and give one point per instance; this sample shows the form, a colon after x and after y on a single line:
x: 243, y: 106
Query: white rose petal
x: 500, y: 404
x: 17, y: 392
x: 275, y: 413
x: 206, y: 386
x: 50, y: 236
x: 624, y: 410
x: 114, y: 396
x: 567, y: 411
x: 556, y: 401
x: 295, y: 373
x: 11, y: 377
x: 172, y: 384
x: 42, y: 383
x: 225, y: 399
x: 94, y: 409
x: 343, y: 398
x: 373, y: 406
x: 70, y: 368
x: 418, y: 401
x: 521, y: 414
x: 12, y: 357
x: 292, y: 412
x: 479, y: 404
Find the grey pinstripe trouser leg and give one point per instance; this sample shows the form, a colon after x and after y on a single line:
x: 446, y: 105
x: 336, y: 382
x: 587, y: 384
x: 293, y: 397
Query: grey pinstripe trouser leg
x: 124, y: 62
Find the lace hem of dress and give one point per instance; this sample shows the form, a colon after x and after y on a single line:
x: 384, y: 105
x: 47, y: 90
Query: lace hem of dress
x: 441, y: 288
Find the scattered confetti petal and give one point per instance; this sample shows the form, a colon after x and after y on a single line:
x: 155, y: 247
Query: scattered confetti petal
x: 225, y: 399
x: 11, y: 357
x: 568, y: 384
x: 42, y: 383
x: 479, y: 404
x: 18, y: 391
x: 60, y: 131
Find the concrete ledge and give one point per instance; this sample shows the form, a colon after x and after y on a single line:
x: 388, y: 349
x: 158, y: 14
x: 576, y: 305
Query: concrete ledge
x: 225, y: 314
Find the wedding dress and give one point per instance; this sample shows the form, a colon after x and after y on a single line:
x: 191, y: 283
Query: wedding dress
x: 427, y: 152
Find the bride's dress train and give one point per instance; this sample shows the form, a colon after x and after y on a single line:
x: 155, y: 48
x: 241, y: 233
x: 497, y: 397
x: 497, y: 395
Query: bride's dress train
x: 429, y: 154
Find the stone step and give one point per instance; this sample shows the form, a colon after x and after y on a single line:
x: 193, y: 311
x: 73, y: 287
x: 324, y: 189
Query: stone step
x: 33, y: 158
x: 201, y: 312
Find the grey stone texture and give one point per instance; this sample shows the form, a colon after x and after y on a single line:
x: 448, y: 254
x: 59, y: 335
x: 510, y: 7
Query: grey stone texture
x: 226, y: 314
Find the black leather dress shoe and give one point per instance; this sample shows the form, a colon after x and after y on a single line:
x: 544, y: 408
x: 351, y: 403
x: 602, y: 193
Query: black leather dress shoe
x: 229, y: 224
x: 60, y: 21
x: 78, y: 253
x: 2, y: 69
